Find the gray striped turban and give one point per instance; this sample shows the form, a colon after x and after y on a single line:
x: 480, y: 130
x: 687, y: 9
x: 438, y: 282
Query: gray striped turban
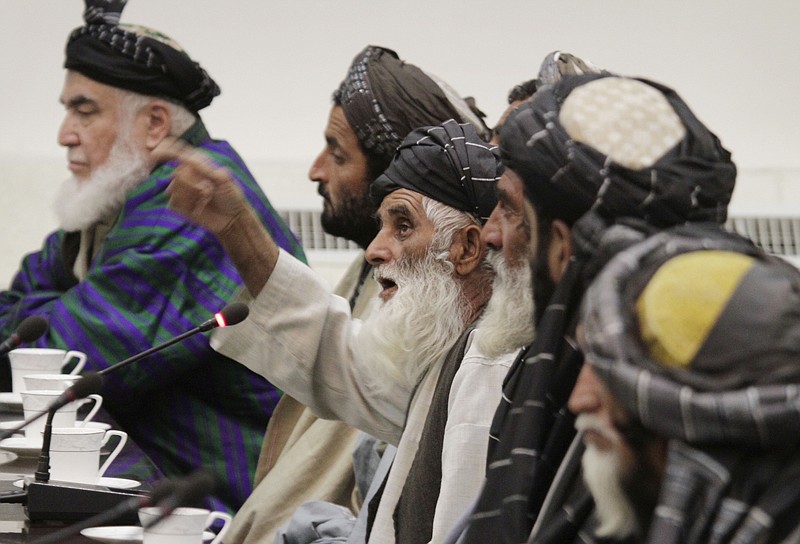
x: 137, y: 59
x: 449, y: 163
x: 698, y: 334
x: 385, y: 98
x: 620, y: 146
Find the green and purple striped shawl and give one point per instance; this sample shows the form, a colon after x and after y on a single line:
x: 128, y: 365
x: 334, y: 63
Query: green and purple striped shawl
x: 157, y: 276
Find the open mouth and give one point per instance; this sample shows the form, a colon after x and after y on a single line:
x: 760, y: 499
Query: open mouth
x: 388, y: 288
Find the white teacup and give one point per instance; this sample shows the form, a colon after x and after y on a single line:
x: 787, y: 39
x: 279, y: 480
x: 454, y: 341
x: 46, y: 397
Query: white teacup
x: 75, y: 453
x: 36, y: 402
x: 182, y: 526
x: 26, y: 361
x: 49, y: 382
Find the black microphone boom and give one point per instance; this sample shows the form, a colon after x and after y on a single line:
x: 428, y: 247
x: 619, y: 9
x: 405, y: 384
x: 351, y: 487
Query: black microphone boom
x: 29, y: 330
x: 229, y: 315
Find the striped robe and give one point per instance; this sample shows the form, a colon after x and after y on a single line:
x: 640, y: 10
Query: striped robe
x: 156, y: 276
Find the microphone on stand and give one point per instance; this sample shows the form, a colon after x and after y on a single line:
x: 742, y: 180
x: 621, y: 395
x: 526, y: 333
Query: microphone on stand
x: 90, y: 383
x: 230, y: 315
x: 68, y: 501
x: 28, y: 330
x: 161, y: 491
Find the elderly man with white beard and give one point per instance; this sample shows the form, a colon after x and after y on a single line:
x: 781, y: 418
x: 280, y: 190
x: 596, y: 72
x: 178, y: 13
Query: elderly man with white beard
x: 394, y: 375
x: 124, y: 272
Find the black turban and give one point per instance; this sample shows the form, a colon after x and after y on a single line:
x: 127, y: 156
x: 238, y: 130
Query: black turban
x: 448, y: 163
x: 385, y: 98
x: 138, y: 60
x: 692, y: 181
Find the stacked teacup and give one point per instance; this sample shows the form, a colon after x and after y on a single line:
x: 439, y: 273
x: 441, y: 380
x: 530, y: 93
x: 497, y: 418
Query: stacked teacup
x: 38, y: 376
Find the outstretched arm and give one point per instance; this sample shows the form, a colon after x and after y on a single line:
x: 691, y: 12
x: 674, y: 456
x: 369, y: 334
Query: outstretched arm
x: 206, y: 194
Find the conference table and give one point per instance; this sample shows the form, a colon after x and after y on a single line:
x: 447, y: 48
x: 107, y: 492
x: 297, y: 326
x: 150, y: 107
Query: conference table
x: 15, y: 526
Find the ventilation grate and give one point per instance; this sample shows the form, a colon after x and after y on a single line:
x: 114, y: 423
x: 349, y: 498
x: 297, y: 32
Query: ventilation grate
x: 307, y: 226
x: 778, y: 235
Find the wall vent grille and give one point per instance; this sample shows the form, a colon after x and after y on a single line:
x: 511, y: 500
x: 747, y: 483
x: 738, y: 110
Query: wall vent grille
x: 778, y: 235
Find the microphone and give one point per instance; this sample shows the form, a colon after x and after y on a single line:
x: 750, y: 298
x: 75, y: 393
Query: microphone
x: 230, y: 315
x: 161, y: 491
x: 29, y: 330
x: 88, y: 384
x: 192, y: 490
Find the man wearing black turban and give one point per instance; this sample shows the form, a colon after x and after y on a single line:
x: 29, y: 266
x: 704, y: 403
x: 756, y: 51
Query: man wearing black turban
x: 381, y: 99
x: 588, y: 151
x: 397, y: 375
x: 124, y: 272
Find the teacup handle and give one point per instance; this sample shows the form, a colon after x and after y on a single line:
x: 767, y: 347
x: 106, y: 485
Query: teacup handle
x: 123, y: 437
x: 98, y: 402
x: 79, y: 355
x: 212, y: 517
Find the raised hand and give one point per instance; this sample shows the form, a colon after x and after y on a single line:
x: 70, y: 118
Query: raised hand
x: 207, y: 195
x: 201, y: 190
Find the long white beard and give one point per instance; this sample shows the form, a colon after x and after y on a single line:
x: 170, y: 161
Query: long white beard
x: 80, y: 204
x: 419, y: 324
x: 507, y: 322
x: 603, y: 473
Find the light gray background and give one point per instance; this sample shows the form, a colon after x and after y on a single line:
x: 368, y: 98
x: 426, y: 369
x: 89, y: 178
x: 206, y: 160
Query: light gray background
x: 736, y: 63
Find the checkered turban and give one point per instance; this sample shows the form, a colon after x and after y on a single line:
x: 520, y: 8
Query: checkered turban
x: 134, y: 58
x: 620, y: 146
x: 449, y: 163
x: 385, y: 98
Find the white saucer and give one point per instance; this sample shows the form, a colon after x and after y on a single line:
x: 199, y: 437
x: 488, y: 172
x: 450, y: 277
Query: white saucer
x: 117, y: 483
x: 11, y: 400
x: 123, y: 534
x: 20, y: 446
x: 7, y: 425
x: 10, y: 397
x: 7, y: 457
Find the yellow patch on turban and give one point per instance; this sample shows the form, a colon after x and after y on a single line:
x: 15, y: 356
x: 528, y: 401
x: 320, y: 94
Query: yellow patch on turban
x: 683, y: 301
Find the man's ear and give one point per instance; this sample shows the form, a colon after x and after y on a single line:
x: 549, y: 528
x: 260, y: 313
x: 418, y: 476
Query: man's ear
x: 560, y: 251
x: 158, y: 123
x: 467, y: 250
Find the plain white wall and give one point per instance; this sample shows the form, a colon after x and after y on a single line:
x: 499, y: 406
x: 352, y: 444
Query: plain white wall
x: 736, y: 63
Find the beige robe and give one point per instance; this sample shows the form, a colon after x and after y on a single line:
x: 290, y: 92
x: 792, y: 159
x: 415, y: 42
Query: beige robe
x: 303, y: 457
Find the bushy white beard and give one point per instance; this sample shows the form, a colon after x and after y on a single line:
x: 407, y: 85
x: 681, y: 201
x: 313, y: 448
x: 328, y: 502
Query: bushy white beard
x: 603, y: 474
x: 80, y: 204
x: 507, y: 322
x: 419, y: 324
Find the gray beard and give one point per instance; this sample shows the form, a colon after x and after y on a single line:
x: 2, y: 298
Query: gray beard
x: 80, y: 204
x: 418, y: 325
x: 507, y: 322
x: 603, y: 474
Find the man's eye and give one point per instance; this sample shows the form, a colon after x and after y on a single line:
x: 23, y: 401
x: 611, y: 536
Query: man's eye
x: 338, y: 159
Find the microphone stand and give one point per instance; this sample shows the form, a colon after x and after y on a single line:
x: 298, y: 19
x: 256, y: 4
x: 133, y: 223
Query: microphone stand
x: 43, y: 470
